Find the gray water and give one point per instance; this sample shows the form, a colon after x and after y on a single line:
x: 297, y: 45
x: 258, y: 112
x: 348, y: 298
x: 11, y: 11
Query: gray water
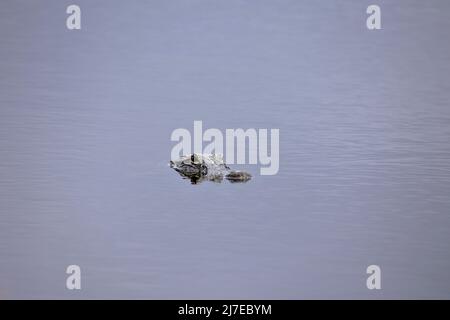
x: 85, y: 124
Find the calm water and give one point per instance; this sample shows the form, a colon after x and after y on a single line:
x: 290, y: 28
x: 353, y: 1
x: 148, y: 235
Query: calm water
x: 85, y: 124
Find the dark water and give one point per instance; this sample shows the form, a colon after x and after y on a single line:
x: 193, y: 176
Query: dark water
x: 85, y: 124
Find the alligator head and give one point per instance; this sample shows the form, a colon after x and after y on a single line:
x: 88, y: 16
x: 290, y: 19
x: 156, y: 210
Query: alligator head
x: 190, y: 166
x: 200, y: 167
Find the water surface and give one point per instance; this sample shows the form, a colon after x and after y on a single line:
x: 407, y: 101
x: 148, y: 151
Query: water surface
x: 85, y: 124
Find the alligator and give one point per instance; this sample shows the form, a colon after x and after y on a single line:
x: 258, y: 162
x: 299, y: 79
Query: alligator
x: 207, y: 167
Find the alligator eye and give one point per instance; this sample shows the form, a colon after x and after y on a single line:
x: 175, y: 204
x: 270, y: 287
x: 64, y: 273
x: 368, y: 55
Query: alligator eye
x: 192, y: 158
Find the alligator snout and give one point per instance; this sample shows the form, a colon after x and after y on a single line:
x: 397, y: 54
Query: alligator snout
x: 238, y: 176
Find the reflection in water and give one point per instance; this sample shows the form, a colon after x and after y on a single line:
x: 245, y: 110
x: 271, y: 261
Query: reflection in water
x: 198, y: 178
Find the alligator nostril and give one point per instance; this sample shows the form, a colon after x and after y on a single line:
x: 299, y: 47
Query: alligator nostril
x: 192, y: 158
